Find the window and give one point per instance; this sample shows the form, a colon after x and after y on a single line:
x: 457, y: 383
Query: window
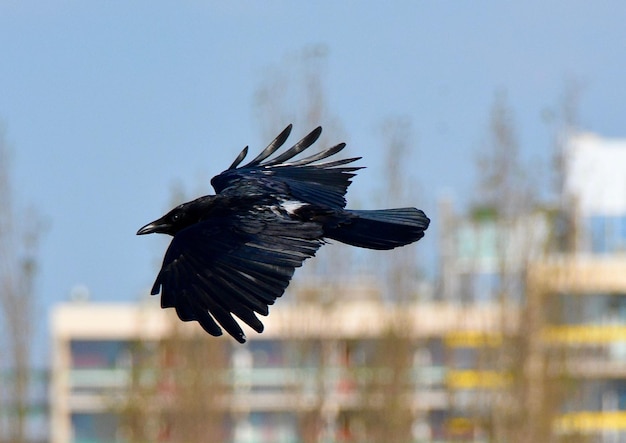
x: 94, y: 428
x: 99, y: 354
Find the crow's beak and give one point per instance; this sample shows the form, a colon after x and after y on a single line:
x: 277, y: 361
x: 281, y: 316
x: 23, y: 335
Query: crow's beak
x: 152, y: 227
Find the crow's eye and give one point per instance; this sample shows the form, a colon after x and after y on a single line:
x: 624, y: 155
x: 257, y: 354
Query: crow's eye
x: 176, y: 217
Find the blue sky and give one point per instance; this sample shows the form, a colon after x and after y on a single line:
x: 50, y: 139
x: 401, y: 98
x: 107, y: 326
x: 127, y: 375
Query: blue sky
x: 108, y: 104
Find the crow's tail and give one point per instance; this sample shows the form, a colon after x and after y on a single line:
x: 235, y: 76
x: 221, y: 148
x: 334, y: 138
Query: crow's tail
x: 380, y: 229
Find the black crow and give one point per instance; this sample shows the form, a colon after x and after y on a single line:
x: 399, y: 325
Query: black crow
x: 235, y: 252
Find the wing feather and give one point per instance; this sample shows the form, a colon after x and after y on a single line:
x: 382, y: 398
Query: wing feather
x: 319, y: 156
x: 271, y: 148
x: 239, y: 158
x: 305, y: 179
x: 306, y: 142
x: 236, y: 265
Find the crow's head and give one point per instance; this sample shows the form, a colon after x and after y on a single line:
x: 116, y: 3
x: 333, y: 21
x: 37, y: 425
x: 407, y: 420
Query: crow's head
x: 179, y: 218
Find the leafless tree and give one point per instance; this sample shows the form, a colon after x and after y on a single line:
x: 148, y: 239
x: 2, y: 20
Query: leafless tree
x: 294, y: 92
x: 522, y: 406
x: 503, y: 181
x: 506, y: 196
x: 565, y: 121
x: 387, y: 413
x: 19, y: 235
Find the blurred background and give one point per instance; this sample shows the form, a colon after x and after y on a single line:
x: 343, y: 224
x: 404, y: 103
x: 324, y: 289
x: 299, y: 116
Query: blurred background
x: 504, y: 122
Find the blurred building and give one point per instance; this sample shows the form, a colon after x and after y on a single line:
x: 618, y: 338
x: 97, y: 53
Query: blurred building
x: 564, y: 268
x: 588, y: 286
x: 310, y: 358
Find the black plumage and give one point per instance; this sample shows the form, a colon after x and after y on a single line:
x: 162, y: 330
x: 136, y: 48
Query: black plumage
x: 235, y: 252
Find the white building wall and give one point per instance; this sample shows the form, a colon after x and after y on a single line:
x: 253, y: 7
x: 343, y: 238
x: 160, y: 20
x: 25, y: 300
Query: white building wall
x: 596, y: 174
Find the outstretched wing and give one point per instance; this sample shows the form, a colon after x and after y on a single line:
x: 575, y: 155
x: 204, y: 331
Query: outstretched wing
x: 235, y: 265
x: 305, y: 179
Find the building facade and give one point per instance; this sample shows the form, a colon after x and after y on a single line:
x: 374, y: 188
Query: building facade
x: 317, y: 373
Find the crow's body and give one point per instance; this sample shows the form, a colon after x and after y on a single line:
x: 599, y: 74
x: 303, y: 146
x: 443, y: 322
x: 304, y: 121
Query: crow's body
x: 235, y: 252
